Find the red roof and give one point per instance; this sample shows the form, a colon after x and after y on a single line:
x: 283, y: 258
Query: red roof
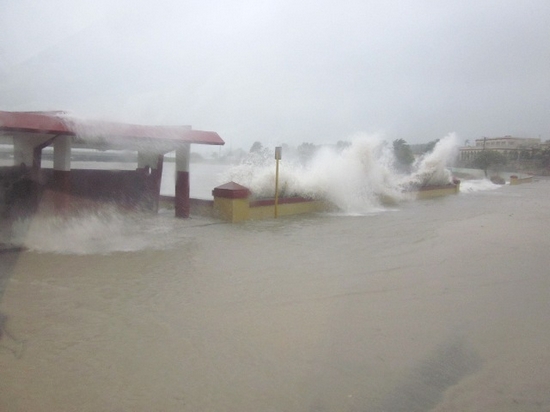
x: 102, y: 133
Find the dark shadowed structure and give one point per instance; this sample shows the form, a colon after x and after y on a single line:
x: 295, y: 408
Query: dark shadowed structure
x: 26, y: 183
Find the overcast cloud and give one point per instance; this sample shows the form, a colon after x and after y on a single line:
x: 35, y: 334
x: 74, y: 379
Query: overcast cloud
x: 284, y: 71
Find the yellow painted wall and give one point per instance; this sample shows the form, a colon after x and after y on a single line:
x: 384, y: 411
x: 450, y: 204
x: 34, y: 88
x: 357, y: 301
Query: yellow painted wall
x: 232, y: 210
x: 286, y: 209
x: 238, y: 210
x: 444, y: 191
x: 518, y: 181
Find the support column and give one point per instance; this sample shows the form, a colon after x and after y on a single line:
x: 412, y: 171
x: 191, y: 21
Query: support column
x: 23, y: 152
x: 27, y: 156
x: 22, y: 197
x: 36, y: 163
x: 182, y: 203
x: 150, y: 166
x: 62, y: 172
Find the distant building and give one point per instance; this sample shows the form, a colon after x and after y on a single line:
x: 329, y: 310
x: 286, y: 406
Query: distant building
x: 509, y: 146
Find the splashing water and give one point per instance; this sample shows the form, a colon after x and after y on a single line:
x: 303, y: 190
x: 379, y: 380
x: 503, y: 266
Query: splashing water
x: 431, y: 169
x: 357, y: 180
x: 100, y: 232
x: 477, y: 185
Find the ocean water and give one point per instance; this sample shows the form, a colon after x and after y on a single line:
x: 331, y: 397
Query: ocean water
x: 203, y: 178
x: 435, y: 305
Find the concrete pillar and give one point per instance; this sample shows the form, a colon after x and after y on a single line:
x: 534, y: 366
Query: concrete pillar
x: 150, y: 166
x: 36, y: 163
x: 182, y: 204
x: 23, y: 152
x: 22, y: 193
x: 62, y: 172
x: 62, y: 153
x: 27, y: 152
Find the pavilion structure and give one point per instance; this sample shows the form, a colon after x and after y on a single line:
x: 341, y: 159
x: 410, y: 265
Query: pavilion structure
x: 31, y: 132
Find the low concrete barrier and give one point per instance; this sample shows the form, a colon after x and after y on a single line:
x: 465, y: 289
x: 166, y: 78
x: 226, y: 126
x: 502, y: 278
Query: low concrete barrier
x: 232, y: 203
x: 515, y: 180
x: 430, y: 192
x: 265, y: 208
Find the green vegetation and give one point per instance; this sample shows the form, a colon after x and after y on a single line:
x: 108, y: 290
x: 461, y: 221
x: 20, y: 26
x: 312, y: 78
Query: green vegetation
x: 489, y: 159
x: 542, y: 158
x: 430, y: 146
x: 404, y: 156
x: 306, y: 152
x: 257, y: 147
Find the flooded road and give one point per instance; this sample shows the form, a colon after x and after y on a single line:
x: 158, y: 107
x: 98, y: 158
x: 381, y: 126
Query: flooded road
x: 436, y: 305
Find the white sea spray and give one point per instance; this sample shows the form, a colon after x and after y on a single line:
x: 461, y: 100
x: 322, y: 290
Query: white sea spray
x: 358, y: 179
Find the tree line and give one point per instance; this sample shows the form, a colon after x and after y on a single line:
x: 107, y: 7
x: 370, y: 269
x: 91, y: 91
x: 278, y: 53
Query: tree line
x: 403, y: 153
x: 535, y: 160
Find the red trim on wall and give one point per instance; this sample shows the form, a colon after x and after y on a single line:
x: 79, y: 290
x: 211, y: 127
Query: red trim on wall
x: 281, y: 201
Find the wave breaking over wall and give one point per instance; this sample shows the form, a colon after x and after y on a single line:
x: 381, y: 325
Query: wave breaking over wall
x: 357, y: 179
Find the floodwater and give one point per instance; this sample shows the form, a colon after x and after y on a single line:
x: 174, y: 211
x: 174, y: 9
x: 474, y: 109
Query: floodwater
x: 438, y: 305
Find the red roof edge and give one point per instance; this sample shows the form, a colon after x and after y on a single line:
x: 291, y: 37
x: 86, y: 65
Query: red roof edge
x: 33, y: 122
x: 57, y: 122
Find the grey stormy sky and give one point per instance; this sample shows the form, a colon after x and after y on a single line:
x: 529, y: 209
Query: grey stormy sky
x: 285, y: 71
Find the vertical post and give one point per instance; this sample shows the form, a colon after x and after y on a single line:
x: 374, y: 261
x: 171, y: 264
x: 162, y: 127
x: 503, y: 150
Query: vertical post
x: 150, y: 168
x: 27, y: 156
x: 62, y: 172
x: 36, y: 163
x: 30, y: 158
x: 182, y: 203
x: 278, y: 151
x: 157, y: 181
x: 23, y: 152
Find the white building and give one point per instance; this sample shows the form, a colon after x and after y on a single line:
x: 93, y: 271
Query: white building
x: 509, y: 146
